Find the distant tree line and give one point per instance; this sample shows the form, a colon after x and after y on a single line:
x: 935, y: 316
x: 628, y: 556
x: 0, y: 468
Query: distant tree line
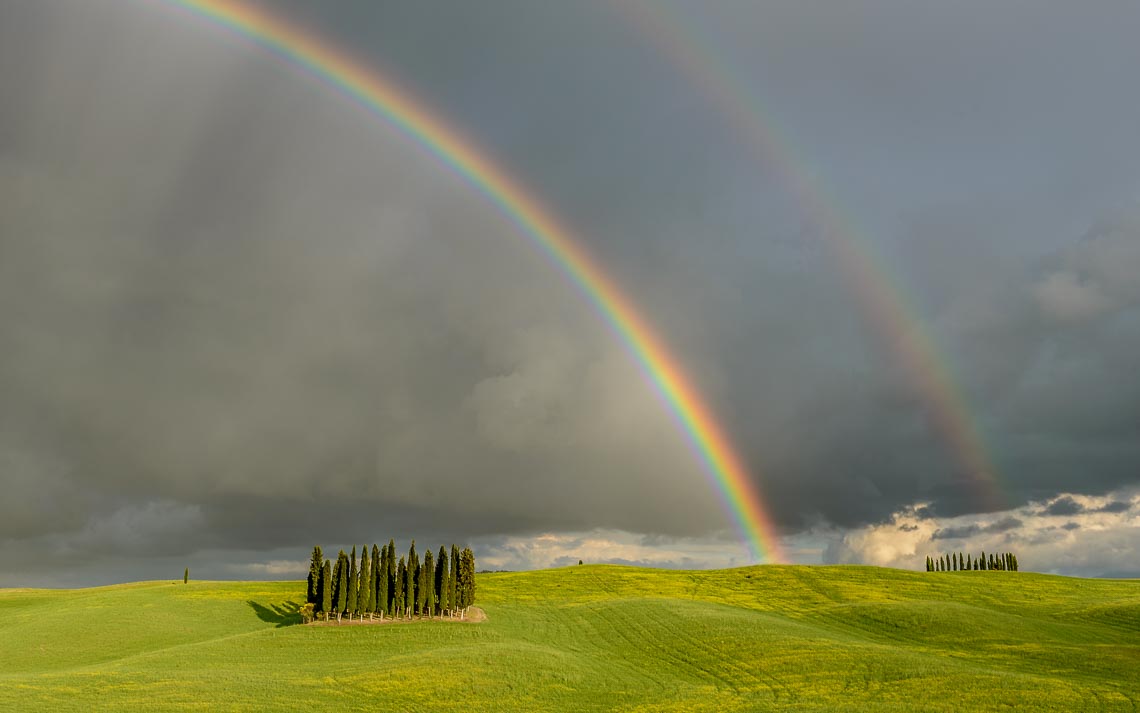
x: 956, y: 561
x: 382, y: 585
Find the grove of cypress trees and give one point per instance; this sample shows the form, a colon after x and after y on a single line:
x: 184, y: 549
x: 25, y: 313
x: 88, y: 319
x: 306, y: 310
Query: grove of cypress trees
x: 315, y: 565
x: 441, y: 580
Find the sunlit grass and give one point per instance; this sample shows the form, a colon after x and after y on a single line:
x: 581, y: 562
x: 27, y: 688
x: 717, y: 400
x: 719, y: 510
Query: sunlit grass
x: 592, y: 637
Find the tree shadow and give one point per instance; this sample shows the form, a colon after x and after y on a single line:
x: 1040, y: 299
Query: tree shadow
x: 286, y: 614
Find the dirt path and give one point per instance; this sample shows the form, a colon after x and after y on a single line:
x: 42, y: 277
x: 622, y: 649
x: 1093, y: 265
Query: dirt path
x: 474, y: 616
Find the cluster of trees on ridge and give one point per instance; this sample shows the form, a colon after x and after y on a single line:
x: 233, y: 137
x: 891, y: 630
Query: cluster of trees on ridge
x: 956, y: 561
x: 381, y: 585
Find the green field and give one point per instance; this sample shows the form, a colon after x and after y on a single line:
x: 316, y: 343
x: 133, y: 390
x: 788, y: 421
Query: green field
x: 592, y: 638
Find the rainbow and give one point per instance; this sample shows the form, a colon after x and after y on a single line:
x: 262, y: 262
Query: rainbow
x: 881, y: 299
x: 384, y: 98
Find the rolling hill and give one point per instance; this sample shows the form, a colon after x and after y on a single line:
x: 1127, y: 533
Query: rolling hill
x: 592, y: 638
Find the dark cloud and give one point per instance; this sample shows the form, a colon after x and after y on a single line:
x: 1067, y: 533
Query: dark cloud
x: 239, y: 315
x: 1115, y: 506
x: 1004, y: 524
x: 956, y: 533
x: 1063, y: 506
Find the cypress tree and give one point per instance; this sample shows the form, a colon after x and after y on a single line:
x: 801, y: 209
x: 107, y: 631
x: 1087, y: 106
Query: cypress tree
x: 453, y: 579
x: 325, y: 589
x: 398, y: 591
x: 392, y: 577
x: 410, y: 582
x: 341, y: 595
x: 335, y: 582
x: 413, y: 575
x: 466, y: 588
x: 353, y: 583
x: 364, y: 592
x: 319, y: 592
x: 186, y: 576
x: 315, y: 566
x: 383, y: 589
x: 441, y: 580
x: 427, y: 574
x: 378, y: 575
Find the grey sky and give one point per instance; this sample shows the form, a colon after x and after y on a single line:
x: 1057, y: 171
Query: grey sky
x: 239, y: 315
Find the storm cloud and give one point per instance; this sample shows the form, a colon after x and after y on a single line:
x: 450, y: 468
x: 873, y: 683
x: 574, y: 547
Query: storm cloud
x: 240, y: 314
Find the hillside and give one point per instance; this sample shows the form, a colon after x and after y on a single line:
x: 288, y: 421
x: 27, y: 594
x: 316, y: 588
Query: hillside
x: 592, y: 638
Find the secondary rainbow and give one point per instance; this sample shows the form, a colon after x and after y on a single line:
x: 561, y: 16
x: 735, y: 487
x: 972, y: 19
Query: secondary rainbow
x: 880, y: 298
x: 383, y: 97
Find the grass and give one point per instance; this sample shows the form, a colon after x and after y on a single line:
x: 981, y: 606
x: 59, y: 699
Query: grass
x: 592, y: 638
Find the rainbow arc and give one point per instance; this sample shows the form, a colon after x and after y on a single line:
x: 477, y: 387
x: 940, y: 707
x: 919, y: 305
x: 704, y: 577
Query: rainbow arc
x: 380, y: 95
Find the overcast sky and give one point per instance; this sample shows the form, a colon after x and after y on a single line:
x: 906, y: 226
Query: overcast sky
x: 240, y: 315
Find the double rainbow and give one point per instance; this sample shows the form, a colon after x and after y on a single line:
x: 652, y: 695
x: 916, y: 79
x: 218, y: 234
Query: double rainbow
x: 380, y: 95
